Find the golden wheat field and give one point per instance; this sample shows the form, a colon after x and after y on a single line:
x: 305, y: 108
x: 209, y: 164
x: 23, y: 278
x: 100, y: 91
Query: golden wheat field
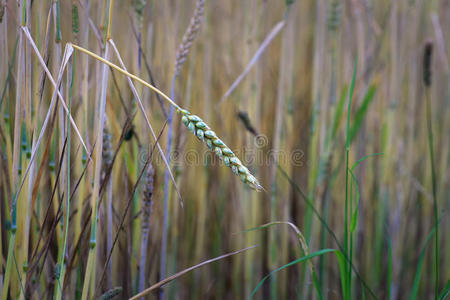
x: 224, y: 149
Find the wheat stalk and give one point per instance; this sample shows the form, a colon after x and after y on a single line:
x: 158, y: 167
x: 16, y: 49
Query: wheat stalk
x: 334, y: 14
x: 107, y: 153
x: 181, y: 56
x: 147, y: 204
x: 195, y: 125
x: 189, y: 35
x: 107, y: 160
x: 139, y: 6
x: 107, y: 157
x: 201, y: 130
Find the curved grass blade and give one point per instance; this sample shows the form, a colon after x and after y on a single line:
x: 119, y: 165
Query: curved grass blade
x: 175, y: 276
x: 302, y: 259
x: 364, y: 158
x: 445, y: 292
x: 324, y: 223
x: 355, y: 213
x: 303, y: 244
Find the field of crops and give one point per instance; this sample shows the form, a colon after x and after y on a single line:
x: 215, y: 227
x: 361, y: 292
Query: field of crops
x: 208, y: 149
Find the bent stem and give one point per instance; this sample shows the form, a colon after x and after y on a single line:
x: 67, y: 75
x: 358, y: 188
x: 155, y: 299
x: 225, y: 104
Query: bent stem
x: 175, y: 276
x: 141, y: 107
x: 126, y: 73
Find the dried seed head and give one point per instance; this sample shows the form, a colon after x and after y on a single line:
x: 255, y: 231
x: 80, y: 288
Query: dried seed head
x: 107, y: 154
x: 196, y: 125
x: 147, y: 202
x: 428, y: 51
x: 139, y: 6
x: 189, y: 35
x: 75, y: 21
x: 245, y: 119
x: 110, y: 294
x: 2, y: 10
x: 129, y: 134
x: 289, y: 2
x: 334, y: 14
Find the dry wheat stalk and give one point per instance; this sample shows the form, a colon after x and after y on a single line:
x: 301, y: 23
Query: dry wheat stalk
x: 146, y: 209
x: 189, y: 35
x: 107, y: 157
x: 206, y: 135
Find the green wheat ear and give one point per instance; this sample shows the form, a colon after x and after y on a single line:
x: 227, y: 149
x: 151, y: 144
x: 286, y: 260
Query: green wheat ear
x: 201, y: 130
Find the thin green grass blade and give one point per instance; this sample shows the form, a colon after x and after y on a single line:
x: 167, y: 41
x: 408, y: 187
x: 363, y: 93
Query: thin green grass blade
x: 352, y: 88
x: 354, y: 218
x: 416, y: 282
x: 324, y: 223
x: 303, y: 245
x: 317, y: 285
x: 445, y: 292
x: 361, y: 113
x: 364, y: 158
x: 355, y: 213
x: 302, y: 259
x: 342, y: 271
x: 339, y: 112
x: 348, y: 237
x: 389, y: 268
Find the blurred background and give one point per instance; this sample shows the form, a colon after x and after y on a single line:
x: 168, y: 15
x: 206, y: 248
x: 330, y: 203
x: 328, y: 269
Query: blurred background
x: 273, y: 80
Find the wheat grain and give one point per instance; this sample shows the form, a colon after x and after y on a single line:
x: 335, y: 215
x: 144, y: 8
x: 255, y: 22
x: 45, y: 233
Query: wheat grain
x: 196, y: 125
